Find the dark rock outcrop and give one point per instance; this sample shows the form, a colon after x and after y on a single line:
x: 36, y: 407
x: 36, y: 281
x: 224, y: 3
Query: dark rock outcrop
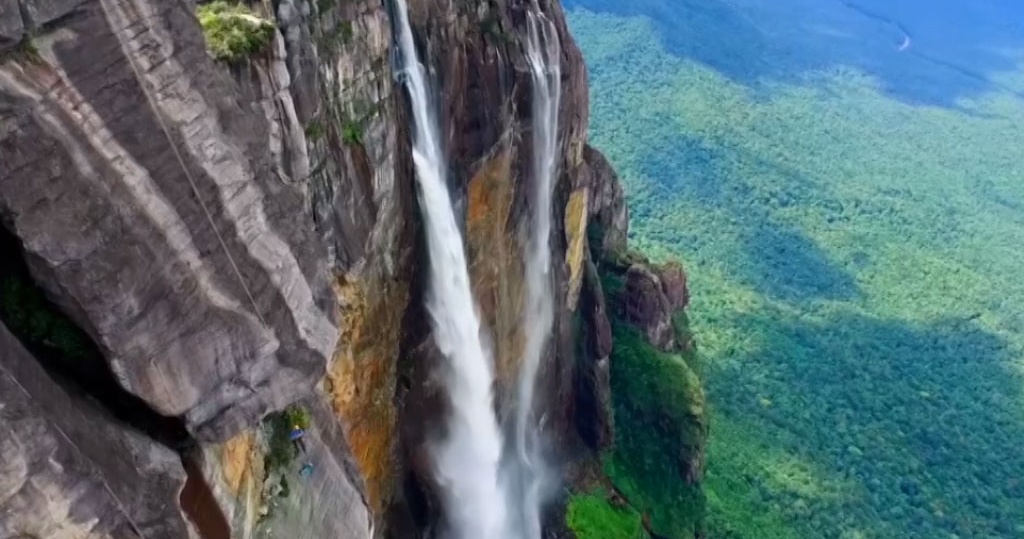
x: 660, y: 414
x: 593, y: 402
x: 21, y: 19
x: 609, y: 223
x: 68, y: 469
x: 647, y: 306
x: 673, y: 285
x: 651, y: 295
x: 595, y: 308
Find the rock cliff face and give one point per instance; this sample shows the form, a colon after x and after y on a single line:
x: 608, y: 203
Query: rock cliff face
x: 139, y: 182
x: 68, y: 469
x: 236, y: 237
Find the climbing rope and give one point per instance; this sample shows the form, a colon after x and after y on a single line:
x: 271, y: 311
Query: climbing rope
x: 181, y: 161
x: 95, y: 469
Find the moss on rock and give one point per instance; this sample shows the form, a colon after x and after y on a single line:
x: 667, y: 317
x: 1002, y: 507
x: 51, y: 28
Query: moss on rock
x: 661, y: 432
x: 595, y: 516
x: 658, y: 403
x: 233, y: 31
x: 281, y: 452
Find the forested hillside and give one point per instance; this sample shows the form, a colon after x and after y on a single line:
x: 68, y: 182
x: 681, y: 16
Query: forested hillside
x: 845, y: 182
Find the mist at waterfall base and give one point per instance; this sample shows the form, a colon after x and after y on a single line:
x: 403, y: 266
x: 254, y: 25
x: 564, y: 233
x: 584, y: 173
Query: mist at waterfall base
x: 487, y: 493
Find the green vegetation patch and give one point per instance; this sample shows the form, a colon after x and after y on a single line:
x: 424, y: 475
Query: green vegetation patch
x: 747, y: 474
x: 280, y: 455
x: 26, y: 50
x: 660, y: 431
x: 340, y: 35
x: 315, y: 130
x: 352, y: 133
x: 233, y: 31
x: 595, y: 516
x: 281, y: 451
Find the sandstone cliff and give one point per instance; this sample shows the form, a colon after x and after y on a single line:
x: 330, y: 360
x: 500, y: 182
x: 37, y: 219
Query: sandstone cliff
x: 235, y: 236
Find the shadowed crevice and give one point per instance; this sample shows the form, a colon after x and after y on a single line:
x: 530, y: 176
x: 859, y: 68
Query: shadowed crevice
x: 199, y: 504
x: 68, y: 354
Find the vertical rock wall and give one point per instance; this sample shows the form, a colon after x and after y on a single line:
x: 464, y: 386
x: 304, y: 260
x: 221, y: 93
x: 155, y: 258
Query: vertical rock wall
x: 68, y: 469
x: 138, y: 181
x: 165, y: 202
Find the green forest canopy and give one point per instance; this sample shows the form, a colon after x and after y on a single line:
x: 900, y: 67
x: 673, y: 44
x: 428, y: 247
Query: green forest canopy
x: 852, y: 217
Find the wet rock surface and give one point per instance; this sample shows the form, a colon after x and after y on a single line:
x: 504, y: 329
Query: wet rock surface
x: 593, y: 385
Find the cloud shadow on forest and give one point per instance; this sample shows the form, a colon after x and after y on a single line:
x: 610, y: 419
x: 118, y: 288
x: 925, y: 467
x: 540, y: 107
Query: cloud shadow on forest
x: 779, y: 260
x: 753, y: 42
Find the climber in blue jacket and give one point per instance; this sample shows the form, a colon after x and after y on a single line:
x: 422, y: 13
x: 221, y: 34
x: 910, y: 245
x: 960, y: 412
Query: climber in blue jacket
x: 296, y: 437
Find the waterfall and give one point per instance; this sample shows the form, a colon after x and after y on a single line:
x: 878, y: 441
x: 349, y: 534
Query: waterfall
x: 543, y: 53
x: 467, y: 462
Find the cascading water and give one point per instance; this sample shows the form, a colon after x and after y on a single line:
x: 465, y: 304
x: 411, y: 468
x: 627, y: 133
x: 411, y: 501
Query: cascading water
x: 468, y: 460
x: 543, y: 52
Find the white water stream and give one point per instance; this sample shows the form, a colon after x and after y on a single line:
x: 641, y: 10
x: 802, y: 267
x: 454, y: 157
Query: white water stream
x: 468, y: 460
x: 543, y: 52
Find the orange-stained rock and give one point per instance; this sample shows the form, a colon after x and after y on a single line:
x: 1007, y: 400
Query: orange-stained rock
x: 233, y: 474
x: 361, y: 379
x: 495, y: 257
x: 238, y: 456
x: 576, y: 217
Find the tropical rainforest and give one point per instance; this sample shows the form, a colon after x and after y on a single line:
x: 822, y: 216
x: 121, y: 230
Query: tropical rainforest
x: 844, y: 181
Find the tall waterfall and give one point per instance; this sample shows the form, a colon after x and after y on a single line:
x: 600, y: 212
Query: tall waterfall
x: 543, y: 52
x: 468, y: 460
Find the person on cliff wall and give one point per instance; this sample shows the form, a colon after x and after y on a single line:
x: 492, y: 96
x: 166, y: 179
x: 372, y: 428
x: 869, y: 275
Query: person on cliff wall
x: 296, y: 437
